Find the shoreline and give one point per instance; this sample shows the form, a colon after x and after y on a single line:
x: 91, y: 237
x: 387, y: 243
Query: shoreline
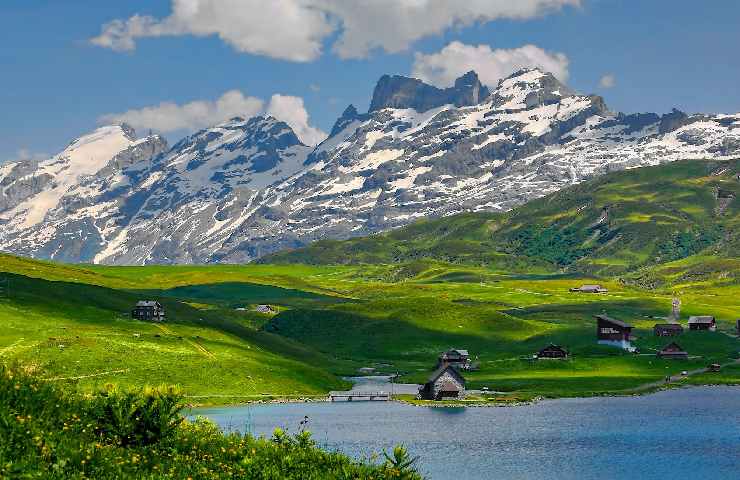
x: 458, y: 403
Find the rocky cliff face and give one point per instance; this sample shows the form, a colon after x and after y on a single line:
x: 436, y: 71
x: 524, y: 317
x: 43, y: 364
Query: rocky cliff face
x: 404, y: 92
x: 245, y: 188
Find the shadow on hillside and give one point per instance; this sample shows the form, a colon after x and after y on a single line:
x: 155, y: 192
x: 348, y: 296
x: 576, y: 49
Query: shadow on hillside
x: 238, y: 294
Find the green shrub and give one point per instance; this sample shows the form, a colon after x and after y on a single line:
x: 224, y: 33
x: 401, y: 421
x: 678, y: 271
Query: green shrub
x: 49, y: 433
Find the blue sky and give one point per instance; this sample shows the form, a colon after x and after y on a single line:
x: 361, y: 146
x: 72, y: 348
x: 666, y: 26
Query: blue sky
x: 55, y: 84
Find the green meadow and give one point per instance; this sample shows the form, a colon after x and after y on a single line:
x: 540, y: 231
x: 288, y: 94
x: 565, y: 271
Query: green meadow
x: 494, y: 284
x: 70, y: 324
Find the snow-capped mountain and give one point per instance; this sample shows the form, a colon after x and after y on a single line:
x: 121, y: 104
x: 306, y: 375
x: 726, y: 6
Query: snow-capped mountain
x: 245, y: 188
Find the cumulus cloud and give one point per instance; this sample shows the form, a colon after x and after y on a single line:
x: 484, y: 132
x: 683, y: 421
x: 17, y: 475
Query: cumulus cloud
x: 169, y: 117
x: 287, y: 29
x: 607, y: 81
x: 297, y: 29
x: 443, y: 67
x: 292, y: 111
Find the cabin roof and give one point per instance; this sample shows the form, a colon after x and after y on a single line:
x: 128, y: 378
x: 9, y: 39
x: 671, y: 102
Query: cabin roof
x: 440, y: 370
x: 669, y: 326
x: 613, y: 321
x: 701, y: 319
x: 552, y: 346
x: 147, y: 303
x: 672, y: 347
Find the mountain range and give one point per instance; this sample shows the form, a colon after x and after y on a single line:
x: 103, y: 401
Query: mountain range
x: 249, y: 187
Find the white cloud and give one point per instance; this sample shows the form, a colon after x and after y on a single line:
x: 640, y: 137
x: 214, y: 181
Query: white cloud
x: 296, y: 29
x: 169, y: 117
x: 443, y: 67
x: 607, y: 81
x: 393, y: 25
x: 287, y: 29
x: 292, y: 111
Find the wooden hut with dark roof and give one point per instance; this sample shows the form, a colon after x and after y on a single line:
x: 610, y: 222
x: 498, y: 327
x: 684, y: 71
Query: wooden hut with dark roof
x: 667, y: 329
x: 673, y: 351
x: 445, y: 382
x: 553, y: 351
x: 702, y: 322
x: 456, y: 357
x: 616, y: 333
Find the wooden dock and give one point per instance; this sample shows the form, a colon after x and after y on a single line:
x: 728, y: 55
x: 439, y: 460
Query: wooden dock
x: 352, y: 396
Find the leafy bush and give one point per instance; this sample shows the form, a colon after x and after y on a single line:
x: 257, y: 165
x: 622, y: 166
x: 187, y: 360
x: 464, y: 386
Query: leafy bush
x: 684, y: 244
x: 49, y: 433
x: 559, y: 246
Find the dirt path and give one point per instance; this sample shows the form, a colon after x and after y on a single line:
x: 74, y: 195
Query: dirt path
x: 195, y: 344
x: 79, y: 377
x: 675, y: 378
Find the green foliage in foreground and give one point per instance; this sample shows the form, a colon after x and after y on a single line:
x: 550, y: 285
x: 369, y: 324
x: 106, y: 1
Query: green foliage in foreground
x: 50, y: 434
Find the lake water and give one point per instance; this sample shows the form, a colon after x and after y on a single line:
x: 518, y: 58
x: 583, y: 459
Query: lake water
x: 691, y: 433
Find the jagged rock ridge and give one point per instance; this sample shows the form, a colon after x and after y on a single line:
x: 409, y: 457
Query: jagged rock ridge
x: 245, y: 188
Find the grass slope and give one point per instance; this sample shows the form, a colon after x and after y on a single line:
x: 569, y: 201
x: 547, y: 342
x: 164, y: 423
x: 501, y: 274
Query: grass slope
x: 70, y: 324
x: 612, y: 224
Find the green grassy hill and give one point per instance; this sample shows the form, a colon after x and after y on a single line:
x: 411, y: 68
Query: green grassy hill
x: 495, y: 284
x: 616, y: 223
x: 70, y: 324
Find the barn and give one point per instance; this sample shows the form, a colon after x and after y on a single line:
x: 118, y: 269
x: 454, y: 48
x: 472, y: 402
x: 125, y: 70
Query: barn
x: 615, y: 333
x: 702, y: 322
x: 456, y: 357
x: 673, y: 351
x: 667, y: 329
x: 148, y: 310
x: 552, y: 351
x: 445, y: 382
x: 589, y: 289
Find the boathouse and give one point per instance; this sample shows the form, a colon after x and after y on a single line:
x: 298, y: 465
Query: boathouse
x: 667, y: 329
x: 445, y: 382
x: 673, y: 351
x: 553, y: 351
x: 455, y: 357
x: 614, y: 332
x: 148, y: 310
x: 702, y: 322
x: 589, y: 289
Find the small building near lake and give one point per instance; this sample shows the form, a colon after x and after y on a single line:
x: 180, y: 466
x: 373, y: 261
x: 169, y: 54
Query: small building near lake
x: 445, y: 382
x: 702, y: 322
x: 148, y: 310
x: 667, y: 329
x: 589, y: 289
x: 615, y: 333
x: 455, y: 357
x: 264, y: 309
x: 553, y: 351
x: 673, y: 351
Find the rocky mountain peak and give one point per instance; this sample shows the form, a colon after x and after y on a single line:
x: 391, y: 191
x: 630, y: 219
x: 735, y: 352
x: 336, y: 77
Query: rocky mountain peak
x: 403, y: 92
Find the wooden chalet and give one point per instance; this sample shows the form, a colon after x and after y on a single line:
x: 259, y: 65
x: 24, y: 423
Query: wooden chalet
x: 148, y: 310
x: 667, y: 329
x: 455, y: 357
x: 445, y: 382
x: 673, y: 351
x: 613, y: 332
x: 553, y: 351
x: 264, y: 309
x: 589, y: 289
x: 702, y: 322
